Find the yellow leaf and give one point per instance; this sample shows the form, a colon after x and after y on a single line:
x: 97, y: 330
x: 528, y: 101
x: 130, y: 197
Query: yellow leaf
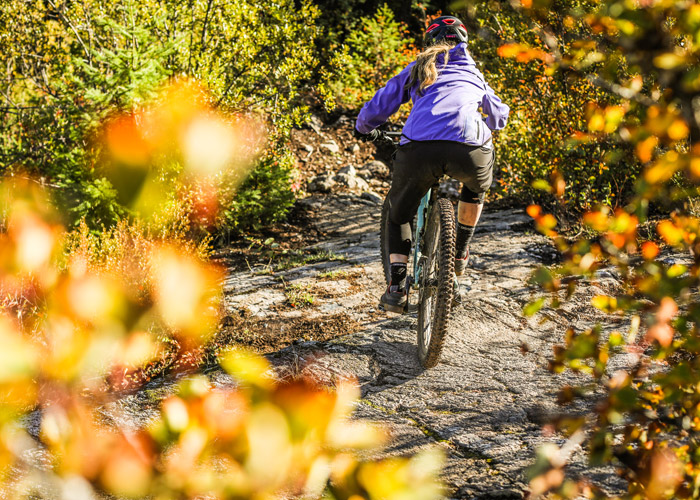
x: 596, y: 123
x: 547, y: 221
x: 613, y: 117
x: 669, y: 60
x: 604, y: 303
x: 678, y: 130
x: 247, y: 367
x: 695, y: 167
x: 663, y: 169
x: 184, y: 292
x: 670, y: 233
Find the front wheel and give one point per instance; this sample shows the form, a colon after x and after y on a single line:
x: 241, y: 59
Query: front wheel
x: 436, y: 286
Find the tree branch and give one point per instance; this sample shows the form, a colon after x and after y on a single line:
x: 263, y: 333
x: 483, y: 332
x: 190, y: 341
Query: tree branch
x: 619, y: 90
x: 203, y: 38
x: 70, y: 25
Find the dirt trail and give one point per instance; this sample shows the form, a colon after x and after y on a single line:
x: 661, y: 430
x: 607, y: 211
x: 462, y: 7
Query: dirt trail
x: 486, y: 402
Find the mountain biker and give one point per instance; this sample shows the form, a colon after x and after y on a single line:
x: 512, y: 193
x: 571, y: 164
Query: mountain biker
x: 448, y: 131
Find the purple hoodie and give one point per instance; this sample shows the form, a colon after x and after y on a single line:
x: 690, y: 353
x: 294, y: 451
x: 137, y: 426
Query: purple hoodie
x: 448, y: 110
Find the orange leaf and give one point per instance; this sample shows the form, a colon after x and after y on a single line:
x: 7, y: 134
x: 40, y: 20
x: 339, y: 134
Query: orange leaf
x: 509, y: 50
x: 645, y: 148
x: 650, y: 250
x: 534, y: 211
x: 662, y: 333
x: 667, y: 310
x: 672, y: 234
x: 616, y: 239
x: 597, y: 221
x: 126, y: 143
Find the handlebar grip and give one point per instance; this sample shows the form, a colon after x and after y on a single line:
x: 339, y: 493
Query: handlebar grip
x: 388, y: 137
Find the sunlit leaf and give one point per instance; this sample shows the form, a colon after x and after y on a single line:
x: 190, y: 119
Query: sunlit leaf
x: 645, y: 149
x: 669, y: 60
x: 533, y: 307
x: 672, y: 234
x: 650, y: 250
x: 247, y: 367
x: 598, y: 221
x: 542, y: 185
x: 604, y: 303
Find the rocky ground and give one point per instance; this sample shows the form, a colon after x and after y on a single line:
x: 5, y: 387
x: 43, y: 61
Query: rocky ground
x: 307, y: 297
x: 488, y: 401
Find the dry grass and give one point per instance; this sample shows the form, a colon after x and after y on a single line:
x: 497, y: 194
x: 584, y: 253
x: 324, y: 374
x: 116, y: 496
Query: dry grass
x: 123, y: 251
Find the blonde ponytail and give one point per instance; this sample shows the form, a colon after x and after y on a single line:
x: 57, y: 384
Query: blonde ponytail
x: 425, y: 70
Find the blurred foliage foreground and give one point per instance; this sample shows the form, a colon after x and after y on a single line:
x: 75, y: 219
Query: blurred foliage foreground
x: 74, y: 329
x: 67, y: 66
x: 646, y: 421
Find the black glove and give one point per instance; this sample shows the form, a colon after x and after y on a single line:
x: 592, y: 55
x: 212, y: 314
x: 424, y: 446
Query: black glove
x: 371, y: 136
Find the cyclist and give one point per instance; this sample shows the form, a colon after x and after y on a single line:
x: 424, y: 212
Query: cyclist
x: 448, y: 131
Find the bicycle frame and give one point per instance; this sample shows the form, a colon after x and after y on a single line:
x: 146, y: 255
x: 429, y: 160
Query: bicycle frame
x: 423, y: 212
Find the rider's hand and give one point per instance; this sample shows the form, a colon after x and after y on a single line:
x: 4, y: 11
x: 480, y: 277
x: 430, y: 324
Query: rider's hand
x: 371, y: 136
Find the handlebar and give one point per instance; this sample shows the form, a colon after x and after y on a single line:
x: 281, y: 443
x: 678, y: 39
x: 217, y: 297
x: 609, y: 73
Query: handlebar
x: 387, y: 136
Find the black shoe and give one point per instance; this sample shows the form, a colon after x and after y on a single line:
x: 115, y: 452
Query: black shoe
x: 461, y: 264
x: 394, y: 300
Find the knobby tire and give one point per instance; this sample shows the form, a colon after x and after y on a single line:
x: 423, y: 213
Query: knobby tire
x: 437, y: 288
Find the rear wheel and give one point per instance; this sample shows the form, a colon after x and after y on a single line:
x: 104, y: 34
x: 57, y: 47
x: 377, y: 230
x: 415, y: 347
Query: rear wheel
x: 436, y: 286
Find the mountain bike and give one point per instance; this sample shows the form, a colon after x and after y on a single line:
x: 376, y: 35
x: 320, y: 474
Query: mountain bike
x: 431, y: 270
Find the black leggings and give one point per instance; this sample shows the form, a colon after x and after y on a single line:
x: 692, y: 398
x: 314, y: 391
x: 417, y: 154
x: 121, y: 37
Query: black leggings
x: 418, y: 165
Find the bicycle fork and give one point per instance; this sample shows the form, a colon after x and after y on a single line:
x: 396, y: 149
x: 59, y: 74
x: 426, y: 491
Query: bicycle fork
x: 413, y: 281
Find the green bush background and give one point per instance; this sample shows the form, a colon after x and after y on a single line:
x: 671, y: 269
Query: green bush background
x: 70, y: 65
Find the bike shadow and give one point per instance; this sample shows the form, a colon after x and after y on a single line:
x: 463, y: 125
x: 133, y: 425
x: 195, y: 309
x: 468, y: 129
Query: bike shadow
x: 382, y: 357
x: 393, y: 361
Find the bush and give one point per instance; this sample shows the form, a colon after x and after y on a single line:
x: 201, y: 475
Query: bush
x: 60, y: 89
x: 646, y: 419
x: 80, y: 329
x: 339, y: 17
x: 72, y: 64
x: 552, y: 130
x: 265, y: 196
x: 376, y: 49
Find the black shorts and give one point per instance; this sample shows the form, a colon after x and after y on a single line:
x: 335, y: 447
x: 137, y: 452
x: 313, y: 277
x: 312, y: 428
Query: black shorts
x: 419, y: 164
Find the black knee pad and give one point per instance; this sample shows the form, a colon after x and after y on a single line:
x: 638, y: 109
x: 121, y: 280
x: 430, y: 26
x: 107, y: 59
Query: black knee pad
x: 469, y: 196
x: 399, y: 238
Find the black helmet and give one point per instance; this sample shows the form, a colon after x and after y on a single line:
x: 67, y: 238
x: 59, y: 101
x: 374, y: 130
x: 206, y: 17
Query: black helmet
x: 445, y: 29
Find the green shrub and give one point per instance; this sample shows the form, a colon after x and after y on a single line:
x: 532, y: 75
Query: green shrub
x: 376, y: 49
x: 264, y: 197
x: 548, y: 133
x: 71, y: 64
x: 61, y: 89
